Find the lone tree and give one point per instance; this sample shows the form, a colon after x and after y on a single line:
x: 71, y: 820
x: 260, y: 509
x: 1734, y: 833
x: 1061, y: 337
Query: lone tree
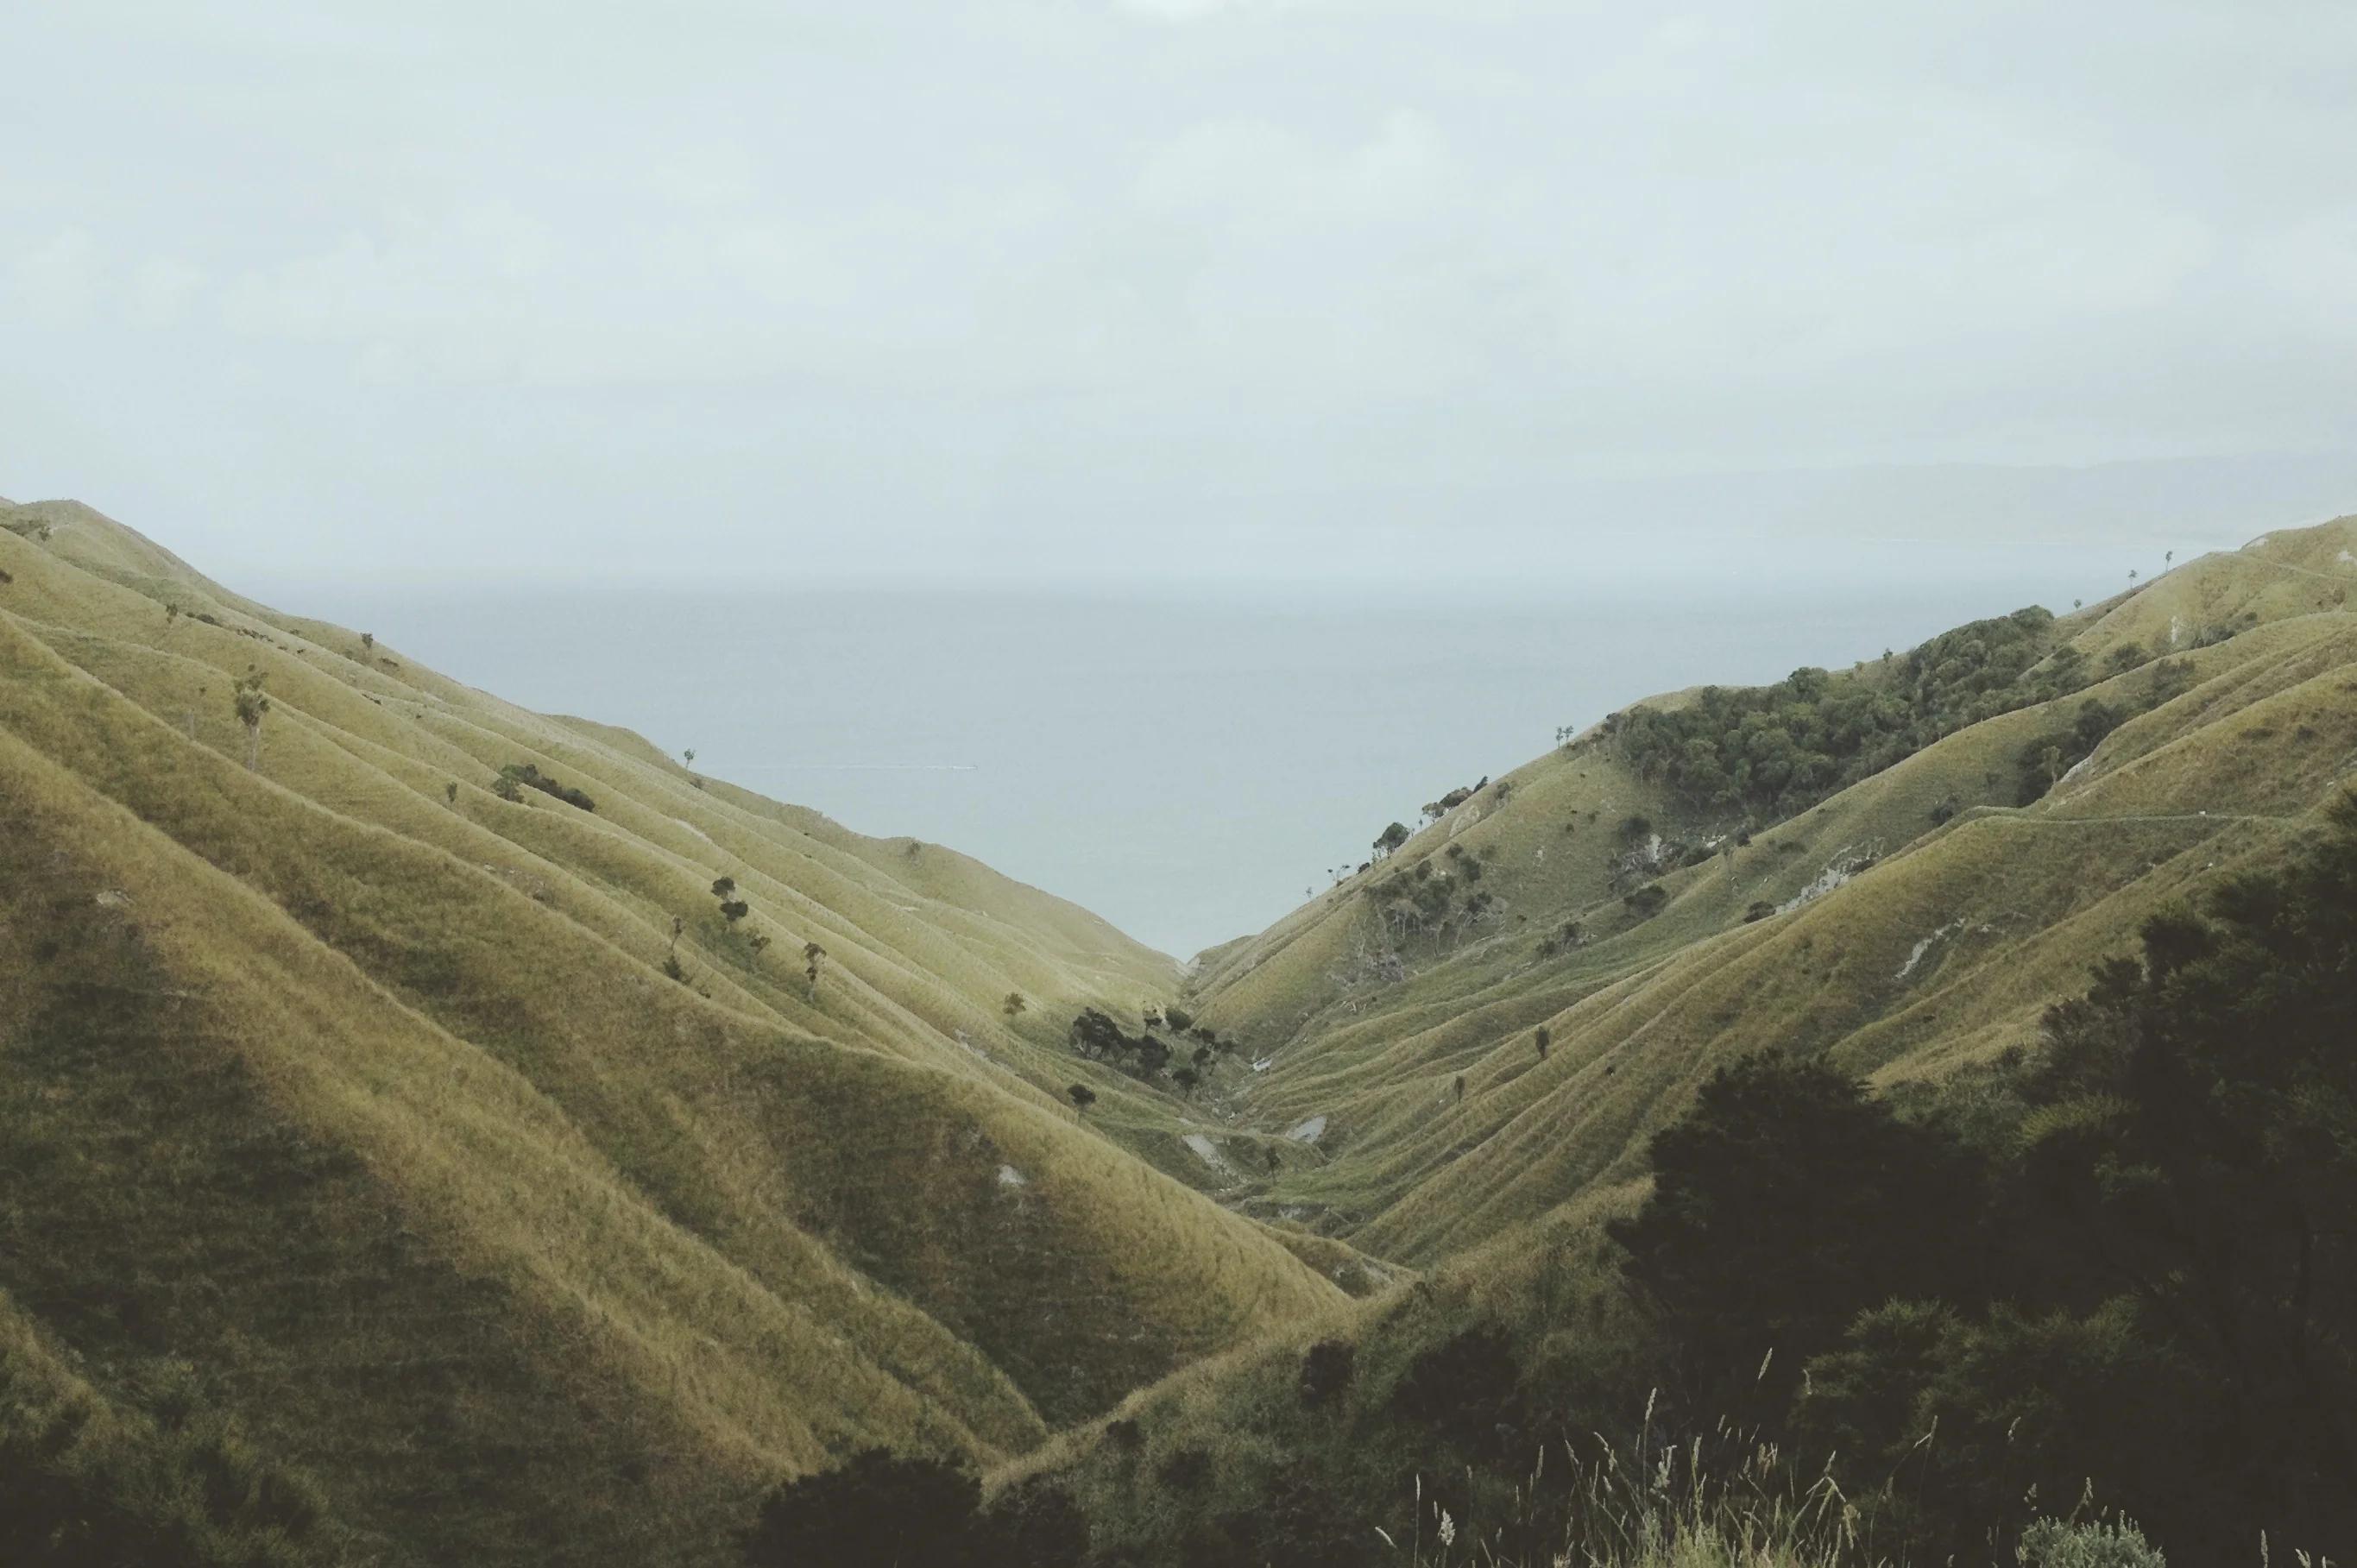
x: 171, y: 613
x: 450, y: 791
x: 1081, y: 1096
x: 250, y: 704
x: 732, y: 908
x: 1390, y: 839
x: 368, y: 641
x: 812, y: 956
x: 688, y: 755
x: 1014, y: 1005
x: 1543, y: 1039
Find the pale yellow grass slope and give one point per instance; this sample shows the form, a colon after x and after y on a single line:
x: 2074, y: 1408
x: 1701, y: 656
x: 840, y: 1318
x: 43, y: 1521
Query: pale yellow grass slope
x: 783, y: 1221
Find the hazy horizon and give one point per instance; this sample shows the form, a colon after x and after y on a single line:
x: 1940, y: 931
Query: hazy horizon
x: 1185, y: 761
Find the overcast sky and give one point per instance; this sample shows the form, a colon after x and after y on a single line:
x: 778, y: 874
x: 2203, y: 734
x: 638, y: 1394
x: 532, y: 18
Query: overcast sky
x: 515, y: 288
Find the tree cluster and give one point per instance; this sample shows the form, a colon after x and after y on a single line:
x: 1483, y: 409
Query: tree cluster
x: 1775, y: 751
x: 1095, y: 1035
x: 518, y: 776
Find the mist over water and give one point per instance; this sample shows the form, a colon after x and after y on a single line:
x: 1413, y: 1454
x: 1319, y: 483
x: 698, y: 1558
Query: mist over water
x: 1187, y: 764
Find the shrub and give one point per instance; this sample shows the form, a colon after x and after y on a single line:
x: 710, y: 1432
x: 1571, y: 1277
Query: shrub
x: 879, y: 1507
x: 1465, y: 1387
x: 1034, y: 1524
x: 1761, y: 909
x: 1081, y: 1095
x: 1645, y: 902
x: 1327, y: 1370
x: 1187, y: 1470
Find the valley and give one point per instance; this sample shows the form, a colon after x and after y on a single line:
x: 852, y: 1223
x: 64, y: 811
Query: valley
x: 481, y: 1137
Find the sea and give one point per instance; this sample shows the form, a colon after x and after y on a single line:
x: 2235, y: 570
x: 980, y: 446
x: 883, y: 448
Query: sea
x: 1188, y: 762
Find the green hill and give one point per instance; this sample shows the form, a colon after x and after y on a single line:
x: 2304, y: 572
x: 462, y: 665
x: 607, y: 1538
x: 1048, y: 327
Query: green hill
x: 1917, y: 919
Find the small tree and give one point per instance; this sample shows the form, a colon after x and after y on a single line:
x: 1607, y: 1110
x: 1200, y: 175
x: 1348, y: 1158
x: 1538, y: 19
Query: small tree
x: 1014, y: 1005
x: 1389, y: 839
x: 732, y: 908
x: 812, y: 955
x: 1187, y: 1078
x: 368, y: 641
x: 1081, y: 1096
x: 688, y: 756
x: 250, y: 704
x: 171, y: 614
x: 450, y: 791
x: 1543, y: 1039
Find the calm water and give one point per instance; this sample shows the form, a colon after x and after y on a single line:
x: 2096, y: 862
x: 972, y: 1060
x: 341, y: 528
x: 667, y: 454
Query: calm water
x: 1186, y: 767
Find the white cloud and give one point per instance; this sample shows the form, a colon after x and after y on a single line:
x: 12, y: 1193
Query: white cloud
x: 54, y: 280
x: 160, y: 289
x: 2309, y: 267
x: 1253, y: 168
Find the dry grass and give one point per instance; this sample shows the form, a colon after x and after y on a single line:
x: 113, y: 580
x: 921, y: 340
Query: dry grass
x: 629, y: 1247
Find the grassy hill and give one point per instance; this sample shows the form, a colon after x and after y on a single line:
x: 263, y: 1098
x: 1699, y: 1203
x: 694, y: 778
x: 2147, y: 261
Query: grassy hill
x: 355, y: 1083
x: 1908, y: 929
x: 407, y: 1155
x: 1918, y: 919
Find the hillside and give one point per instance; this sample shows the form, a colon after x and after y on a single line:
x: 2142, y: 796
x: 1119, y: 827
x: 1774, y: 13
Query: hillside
x: 1914, y: 920
x: 478, y: 1164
